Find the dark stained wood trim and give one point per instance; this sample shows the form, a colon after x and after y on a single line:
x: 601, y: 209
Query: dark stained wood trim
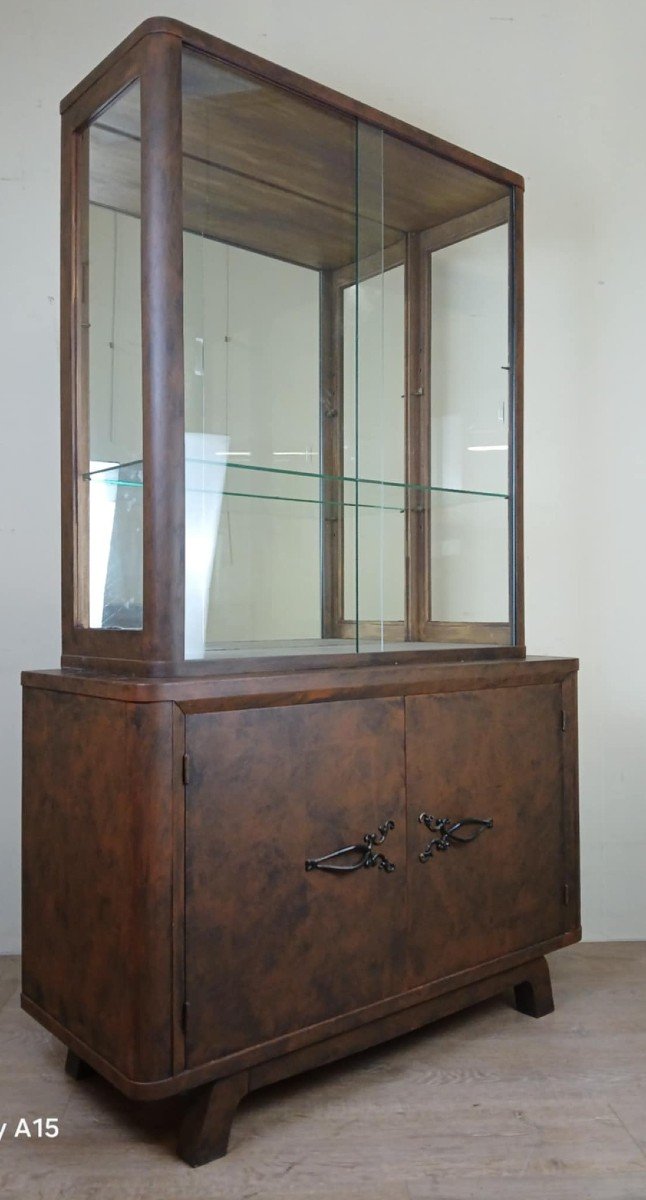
x: 163, y: 349
x: 418, y: 440
x: 331, y: 435
x: 394, y: 1008
x: 493, y: 633
x: 98, y: 646
x: 516, y: 422
x: 390, y: 631
x: 245, y: 60
x: 178, y: 801
x: 374, y: 264
x: 425, y: 612
x: 225, y: 667
x: 272, y: 687
x: 461, y: 228
x: 571, y: 800
x: 107, y: 86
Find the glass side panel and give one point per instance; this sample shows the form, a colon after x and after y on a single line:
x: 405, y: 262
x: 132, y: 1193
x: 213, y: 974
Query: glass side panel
x: 110, y: 340
x: 470, y: 430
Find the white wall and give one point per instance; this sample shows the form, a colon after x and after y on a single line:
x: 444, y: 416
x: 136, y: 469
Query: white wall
x: 552, y: 89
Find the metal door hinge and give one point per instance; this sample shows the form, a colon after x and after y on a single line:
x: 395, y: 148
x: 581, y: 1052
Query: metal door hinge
x: 186, y: 769
x: 566, y: 893
x: 184, y: 1018
x: 563, y: 720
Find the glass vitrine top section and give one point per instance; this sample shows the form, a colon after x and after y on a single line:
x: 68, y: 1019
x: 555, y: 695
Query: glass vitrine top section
x: 348, y: 379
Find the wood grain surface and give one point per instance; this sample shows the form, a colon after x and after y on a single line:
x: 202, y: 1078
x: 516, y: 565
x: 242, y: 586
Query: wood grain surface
x: 97, y: 874
x: 494, y: 755
x: 271, y: 947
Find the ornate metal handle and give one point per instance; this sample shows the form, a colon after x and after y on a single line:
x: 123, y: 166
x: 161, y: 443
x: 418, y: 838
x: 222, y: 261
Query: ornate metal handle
x: 364, y: 850
x: 448, y: 832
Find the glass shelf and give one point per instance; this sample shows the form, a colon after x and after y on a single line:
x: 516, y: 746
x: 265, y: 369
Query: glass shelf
x: 359, y: 492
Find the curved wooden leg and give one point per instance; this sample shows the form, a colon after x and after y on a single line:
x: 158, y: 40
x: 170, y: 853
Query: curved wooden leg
x: 76, y: 1067
x: 534, y: 995
x: 205, y: 1130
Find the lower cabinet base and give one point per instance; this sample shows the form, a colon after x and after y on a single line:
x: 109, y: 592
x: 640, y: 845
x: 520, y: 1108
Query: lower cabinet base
x: 211, y: 982
x: 205, y: 1130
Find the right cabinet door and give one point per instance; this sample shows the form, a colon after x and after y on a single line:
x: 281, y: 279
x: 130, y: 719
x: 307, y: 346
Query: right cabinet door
x: 493, y: 756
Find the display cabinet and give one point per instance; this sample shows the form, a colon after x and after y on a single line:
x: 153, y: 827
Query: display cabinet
x: 291, y: 394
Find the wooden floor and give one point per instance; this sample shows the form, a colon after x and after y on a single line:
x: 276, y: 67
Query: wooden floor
x: 488, y: 1105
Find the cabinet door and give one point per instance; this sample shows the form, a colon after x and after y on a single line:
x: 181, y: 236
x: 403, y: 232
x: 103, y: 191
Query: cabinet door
x: 270, y: 946
x: 493, y: 755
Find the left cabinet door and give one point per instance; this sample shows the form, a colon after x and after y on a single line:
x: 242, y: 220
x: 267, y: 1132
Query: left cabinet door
x: 273, y: 947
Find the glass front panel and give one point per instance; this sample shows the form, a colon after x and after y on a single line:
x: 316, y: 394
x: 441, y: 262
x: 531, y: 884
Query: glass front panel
x: 374, y: 452
x: 268, y: 208
x: 347, y: 382
x: 111, y: 483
